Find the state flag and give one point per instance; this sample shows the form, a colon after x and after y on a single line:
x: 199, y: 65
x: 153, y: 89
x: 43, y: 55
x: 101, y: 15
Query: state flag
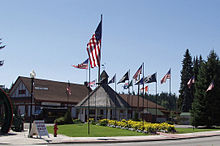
x: 112, y: 80
x: 124, y: 78
x: 151, y: 78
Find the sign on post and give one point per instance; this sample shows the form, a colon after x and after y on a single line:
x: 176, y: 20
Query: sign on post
x: 39, y: 128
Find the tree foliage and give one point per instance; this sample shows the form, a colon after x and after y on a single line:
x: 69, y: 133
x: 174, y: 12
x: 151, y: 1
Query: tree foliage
x: 205, y: 107
x: 185, y: 97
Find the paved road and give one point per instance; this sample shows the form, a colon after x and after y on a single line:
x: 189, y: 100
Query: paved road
x: 206, y: 141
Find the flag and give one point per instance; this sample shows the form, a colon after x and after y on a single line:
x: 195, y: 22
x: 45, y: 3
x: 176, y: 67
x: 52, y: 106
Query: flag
x: 145, y: 88
x: 83, y: 65
x: 191, y: 81
x: 211, y: 86
x: 68, y: 91
x: 151, y: 78
x: 130, y: 84
x: 112, y: 80
x: 125, y: 86
x: 1, y: 62
x: 92, y: 83
x: 94, y: 47
x: 167, y: 76
x: 137, y: 73
x: 124, y: 78
x: 139, y: 82
x: 1, y: 47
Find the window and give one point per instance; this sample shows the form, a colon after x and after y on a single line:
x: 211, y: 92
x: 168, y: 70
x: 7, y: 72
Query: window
x: 21, y: 91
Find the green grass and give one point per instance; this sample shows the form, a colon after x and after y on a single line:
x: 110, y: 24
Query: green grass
x: 191, y: 130
x: 81, y: 130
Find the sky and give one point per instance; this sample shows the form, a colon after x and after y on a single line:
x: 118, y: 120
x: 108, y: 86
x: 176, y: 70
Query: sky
x: 49, y: 36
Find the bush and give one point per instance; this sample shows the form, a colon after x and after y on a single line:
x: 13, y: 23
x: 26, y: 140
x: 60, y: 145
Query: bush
x: 59, y: 121
x: 103, y: 122
x: 76, y: 121
x: 139, y: 126
x: 67, y: 118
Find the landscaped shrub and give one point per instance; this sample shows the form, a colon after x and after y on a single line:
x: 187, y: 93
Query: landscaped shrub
x: 59, y: 121
x: 138, y: 125
x: 67, y: 118
x: 76, y: 121
x: 103, y: 122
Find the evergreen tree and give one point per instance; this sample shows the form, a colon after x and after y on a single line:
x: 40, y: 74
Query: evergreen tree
x: 205, y: 108
x: 185, y: 97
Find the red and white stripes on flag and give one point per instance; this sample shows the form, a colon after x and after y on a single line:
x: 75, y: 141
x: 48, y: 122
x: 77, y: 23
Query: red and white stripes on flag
x: 211, y: 86
x: 94, y: 47
x: 167, y: 76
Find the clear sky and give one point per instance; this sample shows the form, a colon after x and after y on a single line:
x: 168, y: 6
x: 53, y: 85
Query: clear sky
x: 51, y: 35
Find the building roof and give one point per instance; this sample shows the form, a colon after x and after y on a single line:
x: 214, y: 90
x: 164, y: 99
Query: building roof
x: 103, y: 96
x: 133, y: 102
x: 52, y: 91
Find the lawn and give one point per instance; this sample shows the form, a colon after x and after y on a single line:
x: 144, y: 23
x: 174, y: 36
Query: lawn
x: 191, y: 130
x: 81, y: 130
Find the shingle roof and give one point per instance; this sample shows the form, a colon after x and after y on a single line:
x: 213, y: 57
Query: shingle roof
x: 104, y: 96
x: 133, y: 101
x: 47, y: 90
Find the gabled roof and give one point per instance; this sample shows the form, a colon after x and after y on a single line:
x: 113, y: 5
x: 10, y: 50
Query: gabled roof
x: 103, y: 96
x: 53, y: 91
x: 133, y: 102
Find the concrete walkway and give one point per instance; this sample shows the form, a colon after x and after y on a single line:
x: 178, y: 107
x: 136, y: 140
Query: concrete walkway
x: 21, y: 138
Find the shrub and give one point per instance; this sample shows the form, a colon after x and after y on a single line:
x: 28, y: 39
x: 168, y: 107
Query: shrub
x: 59, y: 121
x: 67, y: 118
x: 103, y: 122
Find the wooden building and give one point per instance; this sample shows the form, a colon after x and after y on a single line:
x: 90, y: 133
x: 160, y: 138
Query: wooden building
x: 47, y: 94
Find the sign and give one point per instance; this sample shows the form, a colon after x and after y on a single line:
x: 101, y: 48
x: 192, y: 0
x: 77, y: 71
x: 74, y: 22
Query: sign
x: 39, y: 128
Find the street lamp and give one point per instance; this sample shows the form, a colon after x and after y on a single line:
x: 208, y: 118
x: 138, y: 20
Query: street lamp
x: 32, y: 75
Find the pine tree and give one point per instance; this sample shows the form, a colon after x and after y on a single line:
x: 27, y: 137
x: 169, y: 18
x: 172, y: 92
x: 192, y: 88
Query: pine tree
x: 185, y: 97
x: 205, y: 108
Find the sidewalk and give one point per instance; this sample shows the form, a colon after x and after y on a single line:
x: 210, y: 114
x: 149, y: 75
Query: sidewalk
x: 21, y: 138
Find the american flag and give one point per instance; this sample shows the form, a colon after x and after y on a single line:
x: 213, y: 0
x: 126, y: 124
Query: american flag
x: 211, y: 86
x: 191, y: 81
x: 167, y: 76
x: 83, y: 65
x: 68, y: 91
x: 137, y: 73
x: 94, y: 47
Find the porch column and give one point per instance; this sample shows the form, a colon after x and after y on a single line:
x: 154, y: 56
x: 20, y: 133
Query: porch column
x: 108, y: 116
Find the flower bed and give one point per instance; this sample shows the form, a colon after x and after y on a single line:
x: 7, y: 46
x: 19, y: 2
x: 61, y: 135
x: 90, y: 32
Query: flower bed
x: 139, y: 126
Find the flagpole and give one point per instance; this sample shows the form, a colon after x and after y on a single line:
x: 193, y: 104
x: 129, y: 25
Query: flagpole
x: 100, y: 57
x: 88, y: 102
x: 143, y: 92
x: 170, y: 81
x: 115, y: 97
x: 128, y: 92
x: 156, y: 97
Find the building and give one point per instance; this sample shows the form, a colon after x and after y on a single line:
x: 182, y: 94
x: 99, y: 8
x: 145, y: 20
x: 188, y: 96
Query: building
x: 104, y: 102
x: 53, y: 99
x: 51, y: 96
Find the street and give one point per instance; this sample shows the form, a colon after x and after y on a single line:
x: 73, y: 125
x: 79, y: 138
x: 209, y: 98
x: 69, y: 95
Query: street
x: 206, y: 141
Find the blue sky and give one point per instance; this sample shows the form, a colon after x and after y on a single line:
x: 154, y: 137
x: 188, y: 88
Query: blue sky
x: 51, y: 35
